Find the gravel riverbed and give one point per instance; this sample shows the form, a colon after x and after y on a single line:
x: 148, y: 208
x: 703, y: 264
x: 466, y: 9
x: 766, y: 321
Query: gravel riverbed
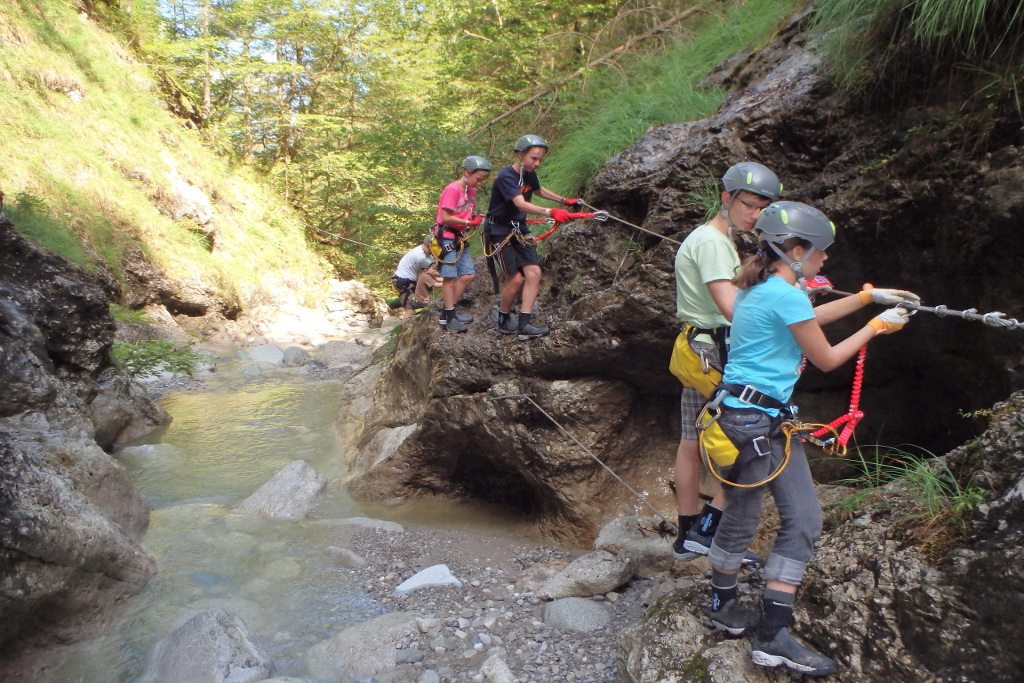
x: 495, y: 611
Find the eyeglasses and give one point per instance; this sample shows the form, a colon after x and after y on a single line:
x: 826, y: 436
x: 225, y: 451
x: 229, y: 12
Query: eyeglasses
x: 751, y: 206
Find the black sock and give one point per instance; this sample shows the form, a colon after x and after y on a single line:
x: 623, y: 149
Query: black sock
x: 685, y: 524
x: 503, y: 317
x: 710, y: 516
x: 723, y: 588
x: 776, y: 613
x: 524, y: 319
x: 449, y: 314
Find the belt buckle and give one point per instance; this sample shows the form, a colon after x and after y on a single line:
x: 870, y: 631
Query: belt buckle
x: 747, y: 395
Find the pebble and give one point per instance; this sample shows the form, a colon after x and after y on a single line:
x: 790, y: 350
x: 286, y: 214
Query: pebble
x: 458, y: 628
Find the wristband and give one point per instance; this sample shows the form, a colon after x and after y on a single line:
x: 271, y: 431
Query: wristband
x: 865, y: 294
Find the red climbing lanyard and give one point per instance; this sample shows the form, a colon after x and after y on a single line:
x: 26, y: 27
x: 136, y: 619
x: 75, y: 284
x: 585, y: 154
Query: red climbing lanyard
x: 837, y: 445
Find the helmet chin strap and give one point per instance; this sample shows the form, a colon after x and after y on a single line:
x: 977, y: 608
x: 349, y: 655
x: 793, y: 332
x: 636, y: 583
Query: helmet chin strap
x: 796, y: 266
x: 724, y: 212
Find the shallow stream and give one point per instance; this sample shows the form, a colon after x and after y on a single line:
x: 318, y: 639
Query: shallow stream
x: 226, y: 440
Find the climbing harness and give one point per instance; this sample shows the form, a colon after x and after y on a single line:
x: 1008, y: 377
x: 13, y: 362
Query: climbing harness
x: 665, y: 525
x: 717, y: 450
x: 627, y: 223
x: 491, y: 250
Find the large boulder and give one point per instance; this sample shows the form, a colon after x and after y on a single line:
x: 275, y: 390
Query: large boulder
x: 211, y: 647
x: 289, y: 494
x: 361, y: 651
x: 70, y: 518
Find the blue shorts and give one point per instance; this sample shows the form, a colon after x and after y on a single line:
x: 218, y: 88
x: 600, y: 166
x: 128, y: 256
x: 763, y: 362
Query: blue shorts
x: 455, y: 265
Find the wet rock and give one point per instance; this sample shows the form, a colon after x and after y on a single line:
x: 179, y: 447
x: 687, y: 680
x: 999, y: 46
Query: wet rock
x: 289, y: 494
x: 211, y: 647
x: 366, y: 649
x: 637, y: 537
x: 338, y: 354
x: 122, y: 411
x: 346, y: 557
x: 70, y: 513
x: 593, y: 573
x: 295, y: 356
x: 265, y: 353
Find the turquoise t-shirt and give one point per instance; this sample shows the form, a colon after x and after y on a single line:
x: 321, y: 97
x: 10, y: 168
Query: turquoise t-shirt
x: 764, y: 352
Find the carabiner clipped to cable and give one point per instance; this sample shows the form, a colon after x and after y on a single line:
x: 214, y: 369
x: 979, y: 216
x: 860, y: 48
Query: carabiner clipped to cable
x: 601, y: 216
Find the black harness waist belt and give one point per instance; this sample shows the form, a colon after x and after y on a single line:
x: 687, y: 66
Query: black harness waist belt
x: 749, y: 394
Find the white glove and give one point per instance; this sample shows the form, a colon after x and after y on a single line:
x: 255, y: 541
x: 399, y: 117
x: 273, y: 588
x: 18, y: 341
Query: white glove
x: 886, y: 297
x: 890, y: 321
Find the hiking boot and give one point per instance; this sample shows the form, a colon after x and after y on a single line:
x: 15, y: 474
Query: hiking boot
x: 414, y: 305
x: 456, y: 325
x: 733, y: 618
x: 785, y: 649
x: 510, y: 326
x: 464, y: 317
x: 531, y: 331
x: 695, y: 544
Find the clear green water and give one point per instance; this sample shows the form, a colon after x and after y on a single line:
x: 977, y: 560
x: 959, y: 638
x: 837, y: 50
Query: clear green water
x: 224, y: 443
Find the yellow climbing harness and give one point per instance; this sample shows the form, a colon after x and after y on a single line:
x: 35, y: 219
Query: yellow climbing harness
x: 718, y: 451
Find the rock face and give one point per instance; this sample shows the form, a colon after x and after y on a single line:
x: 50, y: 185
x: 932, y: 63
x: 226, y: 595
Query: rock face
x: 69, y: 516
x: 895, y: 594
x: 913, y: 210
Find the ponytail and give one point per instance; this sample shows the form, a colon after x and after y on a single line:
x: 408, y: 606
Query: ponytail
x: 761, y: 264
x: 754, y: 270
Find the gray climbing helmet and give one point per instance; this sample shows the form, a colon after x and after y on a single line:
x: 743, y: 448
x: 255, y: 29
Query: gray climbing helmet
x: 753, y: 177
x: 780, y: 221
x: 425, y: 262
x: 527, y: 141
x: 475, y: 163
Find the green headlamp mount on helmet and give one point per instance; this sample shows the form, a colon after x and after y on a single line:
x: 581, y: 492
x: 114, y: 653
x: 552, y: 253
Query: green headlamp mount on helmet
x: 781, y: 221
x: 527, y: 141
x: 476, y: 163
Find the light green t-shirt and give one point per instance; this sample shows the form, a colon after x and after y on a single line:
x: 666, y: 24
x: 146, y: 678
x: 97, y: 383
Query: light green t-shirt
x: 706, y: 255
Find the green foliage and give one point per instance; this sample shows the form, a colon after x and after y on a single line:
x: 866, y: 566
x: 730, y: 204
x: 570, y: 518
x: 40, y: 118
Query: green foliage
x: 92, y: 157
x: 870, y: 42
x: 615, y: 109
x: 707, y: 196
x: 938, y: 496
x: 153, y: 356
x: 127, y: 316
x: 34, y: 219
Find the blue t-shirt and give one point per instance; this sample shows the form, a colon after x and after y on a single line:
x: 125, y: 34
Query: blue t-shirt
x: 764, y: 352
x: 502, y: 210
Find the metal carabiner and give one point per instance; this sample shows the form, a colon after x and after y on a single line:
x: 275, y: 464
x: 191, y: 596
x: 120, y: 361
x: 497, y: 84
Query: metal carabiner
x: 601, y: 216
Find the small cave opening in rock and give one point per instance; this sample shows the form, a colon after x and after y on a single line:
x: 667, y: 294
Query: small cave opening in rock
x: 488, y: 479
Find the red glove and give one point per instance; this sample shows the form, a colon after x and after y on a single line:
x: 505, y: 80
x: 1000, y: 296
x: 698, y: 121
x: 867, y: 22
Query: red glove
x: 561, y: 215
x: 582, y: 216
x: 476, y: 220
x: 571, y: 202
